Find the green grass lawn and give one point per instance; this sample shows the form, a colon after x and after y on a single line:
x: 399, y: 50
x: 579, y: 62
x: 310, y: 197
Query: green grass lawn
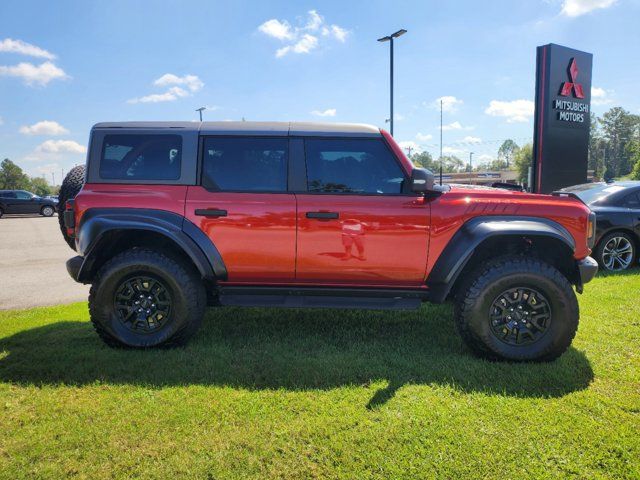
x: 314, y: 394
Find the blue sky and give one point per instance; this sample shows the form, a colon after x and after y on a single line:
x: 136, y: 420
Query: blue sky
x: 66, y: 65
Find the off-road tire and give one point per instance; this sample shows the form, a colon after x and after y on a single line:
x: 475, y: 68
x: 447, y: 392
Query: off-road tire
x: 599, y: 250
x: 47, y: 211
x: 70, y: 187
x: 182, y: 281
x: 486, y: 283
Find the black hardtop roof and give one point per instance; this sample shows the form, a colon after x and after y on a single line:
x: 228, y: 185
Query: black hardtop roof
x: 252, y: 128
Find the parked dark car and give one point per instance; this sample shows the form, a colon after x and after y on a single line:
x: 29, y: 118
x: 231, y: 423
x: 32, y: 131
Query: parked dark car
x: 617, y: 208
x: 21, y: 201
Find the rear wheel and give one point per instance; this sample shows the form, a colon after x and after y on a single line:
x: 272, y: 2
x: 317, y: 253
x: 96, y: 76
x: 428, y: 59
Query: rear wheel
x: 68, y: 190
x: 517, y: 308
x: 143, y: 299
x: 47, y: 211
x: 616, y: 252
x: 1, y: 212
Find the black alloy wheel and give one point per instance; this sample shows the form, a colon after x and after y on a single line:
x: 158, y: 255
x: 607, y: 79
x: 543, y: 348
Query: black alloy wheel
x: 520, y: 316
x: 143, y: 304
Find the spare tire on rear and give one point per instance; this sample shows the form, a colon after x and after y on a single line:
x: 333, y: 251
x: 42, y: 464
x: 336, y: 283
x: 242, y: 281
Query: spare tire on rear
x: 68, y: 190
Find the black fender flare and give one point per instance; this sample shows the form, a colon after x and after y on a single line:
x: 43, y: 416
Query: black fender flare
x: 98, y: 224
x: 472, y: 233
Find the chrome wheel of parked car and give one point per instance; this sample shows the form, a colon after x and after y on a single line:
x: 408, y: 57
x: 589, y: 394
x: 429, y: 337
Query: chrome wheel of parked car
x: 617, y: 253
x: 47, y: 211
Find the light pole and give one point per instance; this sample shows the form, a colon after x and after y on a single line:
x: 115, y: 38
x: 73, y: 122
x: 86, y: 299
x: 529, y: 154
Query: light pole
x: 389, y: 38
x: 200, y: 110
x: 470, y: 160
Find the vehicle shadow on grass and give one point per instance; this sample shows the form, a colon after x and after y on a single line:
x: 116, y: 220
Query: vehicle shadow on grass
x: 290, y: 349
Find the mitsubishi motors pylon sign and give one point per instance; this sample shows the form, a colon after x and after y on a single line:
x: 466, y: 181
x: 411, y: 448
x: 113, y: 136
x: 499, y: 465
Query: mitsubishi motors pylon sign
x: 562, y: 118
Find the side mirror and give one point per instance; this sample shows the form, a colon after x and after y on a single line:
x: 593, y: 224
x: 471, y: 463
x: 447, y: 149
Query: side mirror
x: 422, y: 180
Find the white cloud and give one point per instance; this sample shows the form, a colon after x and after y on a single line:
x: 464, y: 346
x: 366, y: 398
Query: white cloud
x: 513, y: 111
x: 484, y: 158
x: 46, y: 127
x: 315, y: 21
x: 339, y: 33
x: 422, y: 137
x: 9, y: 45
x: 34, y: 74
x: 277, y: 29
x: 452, y: 151
x: 329, y: 112
x: 470, y: 139
x: 303, y: 38
x: 575, y: 8
x: 191, y: 82
x: 600, y: 96
x: 455, y: 126
x: 60, y: 146
x: 449, y: 103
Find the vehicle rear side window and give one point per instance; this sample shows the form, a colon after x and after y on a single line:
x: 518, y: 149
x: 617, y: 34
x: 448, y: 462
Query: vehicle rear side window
x: 357, y: 166
x: 632, y: 201
x: 141, y: 157
x: 7, y: 195
x: 245, y: 164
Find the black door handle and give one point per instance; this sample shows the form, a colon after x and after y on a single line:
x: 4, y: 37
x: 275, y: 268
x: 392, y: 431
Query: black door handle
x: 323, y: 215
x: 211, y: 212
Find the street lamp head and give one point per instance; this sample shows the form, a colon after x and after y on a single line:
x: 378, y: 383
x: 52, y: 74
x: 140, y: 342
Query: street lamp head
x: 397, y: 34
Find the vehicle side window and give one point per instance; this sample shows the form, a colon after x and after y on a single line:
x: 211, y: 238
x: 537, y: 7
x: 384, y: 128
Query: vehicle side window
x: 7, y: 195
x: 23, y: 195
x: 245, y: 164
x: 357, y: 166
x: 632, y: 201
x: 141, y: 157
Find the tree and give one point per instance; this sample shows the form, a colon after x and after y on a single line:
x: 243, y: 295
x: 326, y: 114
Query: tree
x: 634, y: 151
x: 12, y: 177
x: 424, y: 160
x: 507, y: 150
x: 451, y: 164
x: 39, y: 186
x: 619, y: 127
x: 523, y: 160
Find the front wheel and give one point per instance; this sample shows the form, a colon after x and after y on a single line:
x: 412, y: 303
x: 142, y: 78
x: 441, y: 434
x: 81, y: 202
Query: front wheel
x: 517, y: 308
x: 143, y: 299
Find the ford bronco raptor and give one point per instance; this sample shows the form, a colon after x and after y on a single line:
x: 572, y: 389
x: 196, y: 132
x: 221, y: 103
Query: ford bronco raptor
x: 172, y: 217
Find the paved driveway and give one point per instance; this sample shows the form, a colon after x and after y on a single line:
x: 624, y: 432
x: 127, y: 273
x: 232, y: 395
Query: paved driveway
x: 32, y: 264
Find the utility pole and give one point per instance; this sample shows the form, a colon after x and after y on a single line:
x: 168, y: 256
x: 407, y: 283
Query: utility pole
x: 200, y: 110
x: 389, y: 38
x: 470, y: 160
x: 440, y: 141
x: 409, y: 150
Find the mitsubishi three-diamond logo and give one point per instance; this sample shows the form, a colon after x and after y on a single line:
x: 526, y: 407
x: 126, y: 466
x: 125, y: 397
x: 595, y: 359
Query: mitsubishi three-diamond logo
x: 568, y: 87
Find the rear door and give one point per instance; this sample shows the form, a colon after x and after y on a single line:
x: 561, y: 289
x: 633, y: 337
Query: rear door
x: 10, y: 201
x: 356, y: 223
x: 242, y: 204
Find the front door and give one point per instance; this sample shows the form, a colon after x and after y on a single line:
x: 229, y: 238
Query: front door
x: 242, y: 204
x: 356, y: 224
x: 25, y: 203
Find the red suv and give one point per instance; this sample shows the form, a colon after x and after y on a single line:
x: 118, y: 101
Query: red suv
x: 177, y: 216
